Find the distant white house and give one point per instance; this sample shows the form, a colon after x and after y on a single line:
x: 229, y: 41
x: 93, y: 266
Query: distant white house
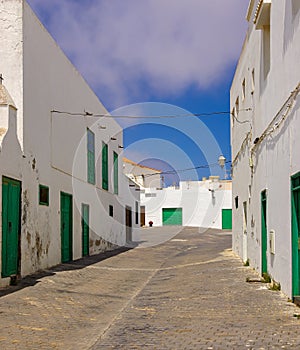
x: 205, y: 204
x: 265, y: 124
x: 63, y: 194
x: 143, y: 176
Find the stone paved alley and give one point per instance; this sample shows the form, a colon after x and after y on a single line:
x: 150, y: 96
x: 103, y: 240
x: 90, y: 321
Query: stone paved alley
x: 187, y: 293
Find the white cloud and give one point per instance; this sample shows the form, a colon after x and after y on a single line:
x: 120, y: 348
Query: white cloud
x: 124, y: 48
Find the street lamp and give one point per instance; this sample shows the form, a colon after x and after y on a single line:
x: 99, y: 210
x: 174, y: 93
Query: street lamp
x: 221, y: 161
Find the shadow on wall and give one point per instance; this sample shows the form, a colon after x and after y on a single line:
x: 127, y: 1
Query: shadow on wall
x: 291, y: 22
x: 10, y: 147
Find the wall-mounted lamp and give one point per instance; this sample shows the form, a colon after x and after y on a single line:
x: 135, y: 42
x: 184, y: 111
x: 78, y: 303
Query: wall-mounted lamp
x: 131, y: 185
x: 120, y: 146
x: 101, y: 126
x: 113, y: 138
x: 89, y: 114
x: 221, y: 161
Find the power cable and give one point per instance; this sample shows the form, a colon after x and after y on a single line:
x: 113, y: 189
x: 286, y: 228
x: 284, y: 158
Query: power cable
x: 204, y: 114
x: 170, y: 172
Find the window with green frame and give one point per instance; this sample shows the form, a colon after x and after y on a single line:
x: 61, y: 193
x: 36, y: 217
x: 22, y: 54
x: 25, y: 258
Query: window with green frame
x: 104, y: 166
x: 90, y: 157
x: 116, y: 173
x: 43, y: 195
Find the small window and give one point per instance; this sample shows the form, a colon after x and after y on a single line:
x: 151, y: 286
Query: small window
x: 243, y: 89
x: 111, y: 211
x: 236, y: 201
x: 150, y: 194
x: 43, y: 195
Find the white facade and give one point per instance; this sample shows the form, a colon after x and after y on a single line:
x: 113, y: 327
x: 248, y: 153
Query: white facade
x: 143, y: 176
x: 201, y: 202
x: 265, y: 104
x: 42, y: 147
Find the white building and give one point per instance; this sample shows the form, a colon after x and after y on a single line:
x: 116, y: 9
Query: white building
x: 143, y: 176
x: 63, y: 194
x: 265, y: 123
x: 205, y: 204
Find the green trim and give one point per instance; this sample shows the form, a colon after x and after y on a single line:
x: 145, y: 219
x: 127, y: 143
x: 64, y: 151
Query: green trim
x: 264, y: 238
x: 41, y: 200
x: 104, y: 166
x: 295, y: 221
x: 91, y: 178
x: 116, y: 173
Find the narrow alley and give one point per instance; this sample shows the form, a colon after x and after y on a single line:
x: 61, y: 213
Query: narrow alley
x: 187, y: 293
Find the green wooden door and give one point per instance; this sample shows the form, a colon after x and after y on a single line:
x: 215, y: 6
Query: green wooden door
x: 172, y: 216
x: 66, y: 224
x: 264, y: 239
x: 85, y: 229
x: 128, y: 223
x: 11, y: 200
x: 226, y: 219
x: 295, y: 196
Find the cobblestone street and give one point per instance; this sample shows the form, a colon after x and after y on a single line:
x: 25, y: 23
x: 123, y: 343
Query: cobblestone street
x: 187, y: 293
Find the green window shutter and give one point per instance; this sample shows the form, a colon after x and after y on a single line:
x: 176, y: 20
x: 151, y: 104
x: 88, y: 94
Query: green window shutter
x: 91, y: 156
x: 116, y: 174
x: 104, y: 166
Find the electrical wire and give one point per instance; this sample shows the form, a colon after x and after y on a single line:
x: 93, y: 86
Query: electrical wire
x: 170, y: 172
x: 242, y: 121
x: 204, y: 114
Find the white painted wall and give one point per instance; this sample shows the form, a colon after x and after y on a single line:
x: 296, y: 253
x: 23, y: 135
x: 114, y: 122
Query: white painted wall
x: 52, y: 147
x: 142, y: 175
x: 200, y: 207
x: 277, y: 157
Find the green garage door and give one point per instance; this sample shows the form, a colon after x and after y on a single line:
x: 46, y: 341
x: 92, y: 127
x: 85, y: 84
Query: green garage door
x: 172, y: 216
x: 226, y: 219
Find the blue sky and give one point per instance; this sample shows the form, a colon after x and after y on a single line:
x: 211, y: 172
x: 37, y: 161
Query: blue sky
x: 154, y: 58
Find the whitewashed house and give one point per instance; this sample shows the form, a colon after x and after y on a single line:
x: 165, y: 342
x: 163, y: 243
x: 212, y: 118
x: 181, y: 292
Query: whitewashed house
x: 205, y: 204
x: 265, y: 124
x: 142, y: 175
x: 63, y: 194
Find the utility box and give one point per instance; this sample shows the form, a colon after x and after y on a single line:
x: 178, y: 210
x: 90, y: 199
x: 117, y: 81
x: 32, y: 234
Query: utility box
x: 272, y: 241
